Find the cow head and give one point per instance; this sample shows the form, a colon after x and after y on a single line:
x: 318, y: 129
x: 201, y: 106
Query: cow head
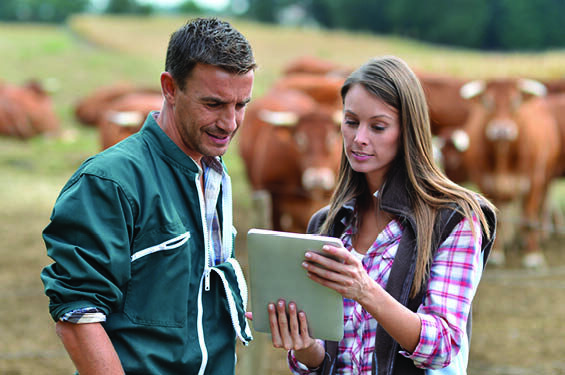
x: 494, y: 126
x: 500, y: 100
x: 315, y: 140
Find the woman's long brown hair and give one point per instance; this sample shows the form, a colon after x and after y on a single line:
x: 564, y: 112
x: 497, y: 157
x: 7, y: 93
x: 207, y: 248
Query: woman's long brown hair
x: 390, y: 79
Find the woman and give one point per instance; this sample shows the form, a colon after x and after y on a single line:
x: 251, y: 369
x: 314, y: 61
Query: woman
x: 415, y: 243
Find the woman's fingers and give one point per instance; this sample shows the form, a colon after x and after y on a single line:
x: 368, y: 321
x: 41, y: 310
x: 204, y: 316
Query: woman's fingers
x: 336, y: 276
x: 305, y: 336
x: 274, y: 324
x: 289, y: 331
x: 284, y: 328
x: 294, y: 326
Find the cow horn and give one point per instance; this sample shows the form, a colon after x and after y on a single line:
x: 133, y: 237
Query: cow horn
x: 532, y: 87
x: 472, y: 89
x: 278, y: 118
x: 125, y: 118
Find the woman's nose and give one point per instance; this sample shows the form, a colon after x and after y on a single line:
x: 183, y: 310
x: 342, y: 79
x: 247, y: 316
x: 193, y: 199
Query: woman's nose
x: 361, y: 135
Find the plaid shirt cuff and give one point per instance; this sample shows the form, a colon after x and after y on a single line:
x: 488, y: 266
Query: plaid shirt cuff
x: 299, y: 368
x: 424, y: 356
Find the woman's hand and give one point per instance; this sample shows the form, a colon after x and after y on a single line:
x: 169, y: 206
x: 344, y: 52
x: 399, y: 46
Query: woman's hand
x: 347, y: 277
x: 290, y: 331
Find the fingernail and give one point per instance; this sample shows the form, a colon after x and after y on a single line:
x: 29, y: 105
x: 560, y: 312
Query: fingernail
x: 305, y: 264
x: 308, y: 255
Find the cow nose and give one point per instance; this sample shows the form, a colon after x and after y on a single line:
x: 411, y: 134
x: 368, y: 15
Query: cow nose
x: 318, y: 178
x: 502, y: 130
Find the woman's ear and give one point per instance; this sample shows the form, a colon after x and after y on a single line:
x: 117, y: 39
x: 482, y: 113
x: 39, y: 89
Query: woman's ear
x: 168, y: 87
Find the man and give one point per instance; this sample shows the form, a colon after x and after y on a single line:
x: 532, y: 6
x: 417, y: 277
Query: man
x: 144, y: 279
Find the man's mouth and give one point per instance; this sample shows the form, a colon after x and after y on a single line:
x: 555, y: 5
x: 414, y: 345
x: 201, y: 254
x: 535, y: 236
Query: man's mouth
x: 219, y: 138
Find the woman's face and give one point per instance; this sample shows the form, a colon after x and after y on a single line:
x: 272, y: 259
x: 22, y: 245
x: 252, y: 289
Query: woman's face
x: 371, y: 134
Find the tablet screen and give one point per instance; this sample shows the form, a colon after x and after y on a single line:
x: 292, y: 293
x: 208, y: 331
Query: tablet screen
x: 275, y: 272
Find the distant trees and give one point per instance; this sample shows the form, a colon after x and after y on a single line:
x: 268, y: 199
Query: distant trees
x: 58, y: 10
x: 482, y: 24
x: 127, y: 6
x: 40, y: 10
x: 485, y: 24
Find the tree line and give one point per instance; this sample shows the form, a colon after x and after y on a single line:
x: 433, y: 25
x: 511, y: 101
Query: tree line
x: 481, y: 24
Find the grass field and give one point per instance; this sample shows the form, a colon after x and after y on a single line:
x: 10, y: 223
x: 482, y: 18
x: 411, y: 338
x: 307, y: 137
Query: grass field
x: 518, y: 326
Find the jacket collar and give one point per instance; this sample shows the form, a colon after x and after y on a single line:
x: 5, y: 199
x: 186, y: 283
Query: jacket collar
x: 155, y: 135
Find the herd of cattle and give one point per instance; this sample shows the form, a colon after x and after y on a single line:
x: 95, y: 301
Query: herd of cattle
x: 506, y: 136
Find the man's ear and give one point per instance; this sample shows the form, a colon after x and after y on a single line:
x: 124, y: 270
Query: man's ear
x: 168, y: 87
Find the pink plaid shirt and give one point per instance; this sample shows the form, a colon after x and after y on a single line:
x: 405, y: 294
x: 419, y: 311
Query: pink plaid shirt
x: 455, y: 275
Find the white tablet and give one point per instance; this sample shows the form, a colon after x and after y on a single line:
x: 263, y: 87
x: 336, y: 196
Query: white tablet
x: 275, y: 272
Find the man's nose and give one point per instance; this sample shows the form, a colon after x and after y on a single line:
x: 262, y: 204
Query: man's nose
x: 228, y: 121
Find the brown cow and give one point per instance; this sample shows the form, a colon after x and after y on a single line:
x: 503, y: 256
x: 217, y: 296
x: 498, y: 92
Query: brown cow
x: 125, y: 116
x: 447, y: 108
x: 26, y: 111
x: 291, y: 148
x: 513, y: 151
x: 448, y: 113
x: 324, y: 89
x: 88, y: 110
x: 555, y: 85
x: 556, y: 105
x: 316, y: 66
x: 449, y: 145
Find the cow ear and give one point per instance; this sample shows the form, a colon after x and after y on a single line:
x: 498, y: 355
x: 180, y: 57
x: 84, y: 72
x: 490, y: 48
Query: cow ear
x: 278, y: 118
x: 125, y: 118
x: 472, y: 89
x: 532, y: 87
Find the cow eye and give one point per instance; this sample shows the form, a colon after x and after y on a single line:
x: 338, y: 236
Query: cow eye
x: 301, y: 141
x: 331, y: 138
x: 487, y: 102
x: 516, y: 102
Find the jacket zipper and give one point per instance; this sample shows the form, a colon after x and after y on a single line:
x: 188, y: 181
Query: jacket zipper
x: 204, y: 231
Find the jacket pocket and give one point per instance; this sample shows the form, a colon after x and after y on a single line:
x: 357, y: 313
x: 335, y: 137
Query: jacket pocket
x: 157, y: 293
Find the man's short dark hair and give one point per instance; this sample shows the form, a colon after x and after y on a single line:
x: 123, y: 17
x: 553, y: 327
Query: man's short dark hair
x: 207, y: 41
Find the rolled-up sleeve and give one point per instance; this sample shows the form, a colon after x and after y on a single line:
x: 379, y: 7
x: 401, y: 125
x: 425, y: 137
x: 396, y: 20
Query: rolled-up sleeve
x: 88, y: 238
x: 454, y: 278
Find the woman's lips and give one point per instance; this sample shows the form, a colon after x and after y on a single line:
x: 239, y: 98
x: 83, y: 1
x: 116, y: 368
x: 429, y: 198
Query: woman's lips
x: 360, y: 155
